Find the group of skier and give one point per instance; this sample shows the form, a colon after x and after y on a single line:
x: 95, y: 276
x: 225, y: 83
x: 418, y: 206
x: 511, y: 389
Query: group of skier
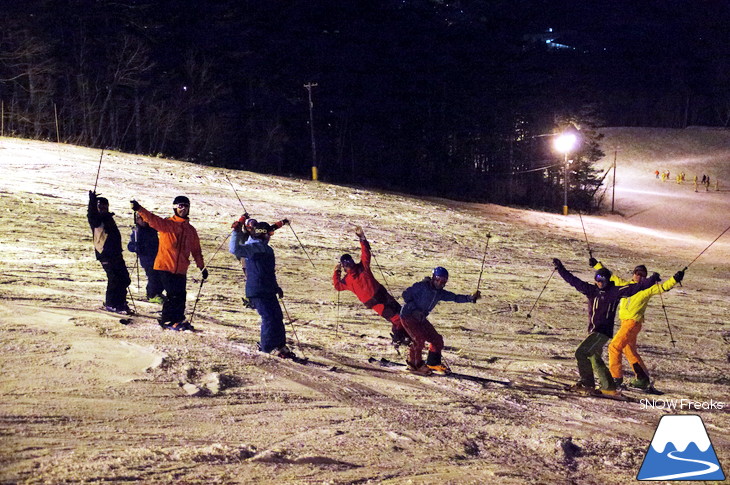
x: 164, y: 246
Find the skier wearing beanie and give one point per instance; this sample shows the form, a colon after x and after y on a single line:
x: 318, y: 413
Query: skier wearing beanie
x: 420, y: 299
x: 178, y: 240
x: 603, y: 299
x: 631, y: 314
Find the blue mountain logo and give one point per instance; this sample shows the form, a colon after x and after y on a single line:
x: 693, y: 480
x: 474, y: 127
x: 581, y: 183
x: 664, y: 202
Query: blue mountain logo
x: 681, y: 450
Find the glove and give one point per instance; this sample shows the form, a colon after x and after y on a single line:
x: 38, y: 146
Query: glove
x: 205, y: 273
x: 92, y: 195
x: 280, y: 292
x: 557, y: 263
x: 679, y: 276
x: 338, y: 267
x: 244, y: 217
x: 285, y: 221
x: 359, y: 232
x: 135, y: 205
x: 592, y: 261
x: 655, y: 276
x: 236, y: 226
x: 475, y: 296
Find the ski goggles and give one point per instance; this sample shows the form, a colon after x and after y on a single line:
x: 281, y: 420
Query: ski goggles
x: 182, y: 206
x: 601, y: 279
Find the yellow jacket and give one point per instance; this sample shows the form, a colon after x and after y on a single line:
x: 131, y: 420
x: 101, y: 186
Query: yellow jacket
x: 633, y: 307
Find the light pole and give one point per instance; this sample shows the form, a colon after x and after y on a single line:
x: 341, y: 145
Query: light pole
x: 564, y: 143
x: 309, y: 87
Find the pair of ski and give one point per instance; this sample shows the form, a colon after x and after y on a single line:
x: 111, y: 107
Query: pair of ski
x: 383, y: 362
x: 567, y: 386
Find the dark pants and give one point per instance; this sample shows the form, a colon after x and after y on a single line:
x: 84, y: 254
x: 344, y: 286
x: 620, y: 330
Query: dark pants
x: 117, y: 282
x: 421, y: 331
x: 273, y: 333
x: 154, y: 282
x: 173, y: 309
x: 588, y: 357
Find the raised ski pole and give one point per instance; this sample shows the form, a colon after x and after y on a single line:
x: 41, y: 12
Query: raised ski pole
x: 708, y: 247
x: 590, y: 252
x: 484, y: 258
x: 671, y: 337
x: 234, y: 191
x: 98, y: 170
x: 302, y: 245
x: 291, y: 322
x: 529, y: 314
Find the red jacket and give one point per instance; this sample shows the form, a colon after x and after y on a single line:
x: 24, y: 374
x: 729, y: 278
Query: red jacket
x: 178, y: 240
x: 360, y: 280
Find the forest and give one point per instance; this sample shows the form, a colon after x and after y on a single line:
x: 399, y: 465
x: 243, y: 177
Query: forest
x: 447, y: 98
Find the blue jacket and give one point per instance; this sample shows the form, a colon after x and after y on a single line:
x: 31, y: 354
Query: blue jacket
x: 260, y: 265
x: 602, y: 302
x: 144, y: 242
x: 422, y: 297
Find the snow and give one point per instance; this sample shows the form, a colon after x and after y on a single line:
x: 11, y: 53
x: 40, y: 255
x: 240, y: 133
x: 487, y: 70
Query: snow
x: 86, y: 399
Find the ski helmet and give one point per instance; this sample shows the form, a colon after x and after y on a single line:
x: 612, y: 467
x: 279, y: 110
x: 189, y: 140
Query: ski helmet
x: 181, y: 199
x: 346, y: 260
x: 603, y: 275
x: 261, y: 230
x: 250, y: 224
x: 440, y: 272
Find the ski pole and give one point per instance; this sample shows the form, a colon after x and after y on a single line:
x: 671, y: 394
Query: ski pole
x: 590, y: 252
x: 671, y: 337
x: 529, y: 314
x: 291, y: 322
x: 337, y: 315
x: 134, y: 307
x: 484, y: 258
x: 708, y: 247
x: 192, y: 314
x: 359, y: 228
x: 136, y: 267
x: 302, y: 245
x: 234, y: 191
x: 98, y: 170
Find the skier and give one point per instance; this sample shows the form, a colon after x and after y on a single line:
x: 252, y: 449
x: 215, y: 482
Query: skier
x: 144, y: 242
x: 178, y: 240
x: 631, y: 314
x: 420, y: 299
x: 603, y: 298
x: 262, y: 288
x: 108, y: 249
x: 360, y: 280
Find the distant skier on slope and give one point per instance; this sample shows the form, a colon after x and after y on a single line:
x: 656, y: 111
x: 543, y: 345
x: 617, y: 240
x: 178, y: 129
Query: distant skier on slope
x: 262, y: 287
x: 360, y: 280
x: 631, y: 314
x: 603, y: 298
x: 108, y: 249
x: 420, y: 299
x: 178, y: 240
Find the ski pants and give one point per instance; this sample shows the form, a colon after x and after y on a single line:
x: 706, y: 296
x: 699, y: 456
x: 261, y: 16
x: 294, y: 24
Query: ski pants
x: 273, y: 333
x: 154, y: 282
x: 173, y: 309
x: 387, y: 307
x: 624, y: 342
x: 421, y: 331
x: 588, y: 356
x: 117, y: 282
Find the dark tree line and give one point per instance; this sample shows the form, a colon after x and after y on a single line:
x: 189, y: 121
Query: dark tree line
x: 429, y: 96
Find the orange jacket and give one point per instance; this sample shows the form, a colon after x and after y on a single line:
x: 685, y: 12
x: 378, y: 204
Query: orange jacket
x: 178, y: 239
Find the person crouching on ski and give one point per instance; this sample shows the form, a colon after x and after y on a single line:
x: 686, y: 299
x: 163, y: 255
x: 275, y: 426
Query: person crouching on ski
x: 420, y: 299
x: 262, y: 288
x: 360, y: 280
x: 603, y: 299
